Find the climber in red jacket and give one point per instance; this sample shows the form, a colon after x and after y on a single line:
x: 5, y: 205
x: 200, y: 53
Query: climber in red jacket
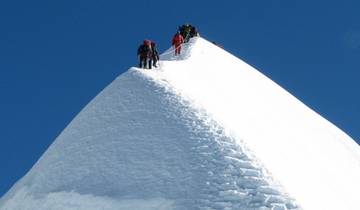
x: 177, y: 41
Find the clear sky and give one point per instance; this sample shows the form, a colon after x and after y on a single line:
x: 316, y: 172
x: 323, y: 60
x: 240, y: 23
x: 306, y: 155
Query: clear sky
x: 55, y: 56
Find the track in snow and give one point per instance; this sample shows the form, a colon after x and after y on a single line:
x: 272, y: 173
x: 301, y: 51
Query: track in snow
x: 235, y: 179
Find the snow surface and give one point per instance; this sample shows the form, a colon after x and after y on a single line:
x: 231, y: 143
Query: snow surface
x: 203, y: 131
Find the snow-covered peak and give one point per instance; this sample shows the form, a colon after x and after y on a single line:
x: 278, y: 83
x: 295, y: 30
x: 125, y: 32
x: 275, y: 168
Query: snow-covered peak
x: 203, y: 131
x: 306, y: 153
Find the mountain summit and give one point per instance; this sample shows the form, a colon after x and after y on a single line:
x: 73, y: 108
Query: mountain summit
x: 203, y: 131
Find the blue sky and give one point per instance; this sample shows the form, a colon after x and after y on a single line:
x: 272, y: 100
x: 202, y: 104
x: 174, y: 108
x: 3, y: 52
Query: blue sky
x: 55, y: 56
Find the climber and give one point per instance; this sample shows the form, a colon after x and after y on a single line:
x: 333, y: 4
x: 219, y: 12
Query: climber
x: 193, y: 32
x: 154, y: 54
x: 187, y: 29
x: 177, y: 41
x: 144, y: 53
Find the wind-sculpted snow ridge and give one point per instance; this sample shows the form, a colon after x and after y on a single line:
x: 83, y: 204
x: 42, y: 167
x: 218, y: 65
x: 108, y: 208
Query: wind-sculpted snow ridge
x: 203, y: 131
x: 145, y: 147
x: 235, y: 179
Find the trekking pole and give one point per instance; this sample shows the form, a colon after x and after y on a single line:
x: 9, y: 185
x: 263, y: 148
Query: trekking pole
x: 159, y: 62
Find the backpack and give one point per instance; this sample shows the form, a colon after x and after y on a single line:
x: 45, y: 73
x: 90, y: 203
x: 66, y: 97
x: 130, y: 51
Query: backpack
x: 144, y: 50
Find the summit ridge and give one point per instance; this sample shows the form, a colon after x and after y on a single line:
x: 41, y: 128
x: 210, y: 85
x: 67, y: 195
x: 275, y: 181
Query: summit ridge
x: 205, y: 130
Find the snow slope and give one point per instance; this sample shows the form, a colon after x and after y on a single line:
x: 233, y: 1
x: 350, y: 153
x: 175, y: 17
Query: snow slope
x: 203, y: 131
x: 316, y: 162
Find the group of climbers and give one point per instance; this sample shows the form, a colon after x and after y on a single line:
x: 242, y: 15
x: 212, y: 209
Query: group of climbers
x: 183, y: 35
x: 188, y: 31
x: 148, y: 53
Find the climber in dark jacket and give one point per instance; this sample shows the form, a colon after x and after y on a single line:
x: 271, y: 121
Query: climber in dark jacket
x: 154, y: 54
x: 144, y: 53
x: 193, y: 32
